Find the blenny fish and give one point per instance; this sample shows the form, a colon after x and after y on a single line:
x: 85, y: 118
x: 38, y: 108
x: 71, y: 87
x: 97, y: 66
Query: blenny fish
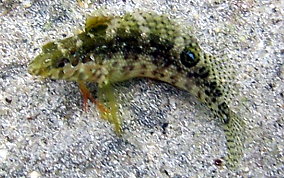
x: 115, y: 48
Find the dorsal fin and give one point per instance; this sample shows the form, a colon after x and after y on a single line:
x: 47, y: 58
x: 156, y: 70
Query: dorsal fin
x: 97, y: 22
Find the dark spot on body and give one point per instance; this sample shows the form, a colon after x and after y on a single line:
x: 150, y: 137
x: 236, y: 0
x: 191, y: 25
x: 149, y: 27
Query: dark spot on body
x: 131, y: 68
x: 99, y: 75
x: 75, y: 62
x: 127, y: 56
x: 162, y: 75
x: 213, y: 84
x: 199, y: 82
x: 131, y: 46
x: 135, y: 57
x: 207, y: 92
x: 73, y: 52
x: 191, y: 74
x: 169, y: 61
x: 86, y: 59
x: 127, y: 68
x: 200, y: 74
x: 173, y: 82
x: 155, y: 73
x: 144, y: 66
x: 127, y: 45
x: 199, y: 94
x: 62, y: 62
x: 203, y: 72
x: 217, y: 93
x: 207, y: 100
x: 224, y: 110
x: 142, y: 73
x: 173, y: 77
x: 130, y: 56
x: 61, y: 74
x: 115, y: 64
x: 160, y: 51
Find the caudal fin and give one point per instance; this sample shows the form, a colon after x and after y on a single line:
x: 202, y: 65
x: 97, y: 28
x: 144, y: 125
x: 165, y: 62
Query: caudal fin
x: 234, y: 133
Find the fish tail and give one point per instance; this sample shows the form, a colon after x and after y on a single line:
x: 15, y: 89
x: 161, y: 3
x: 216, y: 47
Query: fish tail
x: 234, y: 133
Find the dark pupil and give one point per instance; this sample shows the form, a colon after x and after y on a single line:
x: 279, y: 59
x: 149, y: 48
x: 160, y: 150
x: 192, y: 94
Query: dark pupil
x: 188, y: 58
x: 98, y: 28
x: 62, y: 62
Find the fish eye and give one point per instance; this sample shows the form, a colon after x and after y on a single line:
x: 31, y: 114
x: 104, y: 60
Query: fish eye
x: 188, y: 58
x: 97, y: 28
x: 62, y: 62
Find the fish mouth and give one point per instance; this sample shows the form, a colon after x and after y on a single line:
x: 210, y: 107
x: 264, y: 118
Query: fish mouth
x: 37, y: 71
x: 33, y: 70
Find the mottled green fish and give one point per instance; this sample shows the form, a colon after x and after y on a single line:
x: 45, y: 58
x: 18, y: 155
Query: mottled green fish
x: 142, y: 44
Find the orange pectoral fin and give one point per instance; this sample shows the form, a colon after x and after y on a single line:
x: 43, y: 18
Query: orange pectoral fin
x: 88, y: 96
x: 109, y: 111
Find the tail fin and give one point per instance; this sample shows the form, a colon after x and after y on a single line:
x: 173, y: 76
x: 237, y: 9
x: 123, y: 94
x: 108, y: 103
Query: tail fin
x: 234, y: 133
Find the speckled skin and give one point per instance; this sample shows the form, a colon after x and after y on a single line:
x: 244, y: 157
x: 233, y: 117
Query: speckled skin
x: 143, y: 44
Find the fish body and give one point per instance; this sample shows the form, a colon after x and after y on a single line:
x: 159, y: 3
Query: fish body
x: 143, y: 44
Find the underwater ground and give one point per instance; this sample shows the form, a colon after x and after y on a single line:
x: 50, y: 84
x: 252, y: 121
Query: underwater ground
x: 167, y: 133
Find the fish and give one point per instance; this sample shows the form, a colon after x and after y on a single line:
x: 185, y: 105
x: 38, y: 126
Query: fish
x: 139, y: 44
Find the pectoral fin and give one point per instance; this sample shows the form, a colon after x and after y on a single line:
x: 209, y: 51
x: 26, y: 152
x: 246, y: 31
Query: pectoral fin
x: 107, y: 95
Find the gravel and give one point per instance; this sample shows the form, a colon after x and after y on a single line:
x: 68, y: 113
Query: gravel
x: 45, y: 133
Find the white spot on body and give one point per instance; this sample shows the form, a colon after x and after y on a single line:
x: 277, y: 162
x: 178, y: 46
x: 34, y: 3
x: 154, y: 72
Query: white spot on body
x: 61, y: 48
x: 152, y: 25
x: 79, y: 43
x: 91, y: 35
x: 179, y: 44
x: 139, y: 18
x: 141, y: 21
x: 47, y: 60
x: 82, y: 68
x: 112, y: 28
x: 92, y: 57
x: 145, y: 30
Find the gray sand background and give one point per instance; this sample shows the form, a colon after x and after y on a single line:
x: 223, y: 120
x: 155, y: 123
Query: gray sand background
x: 45, y: 133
